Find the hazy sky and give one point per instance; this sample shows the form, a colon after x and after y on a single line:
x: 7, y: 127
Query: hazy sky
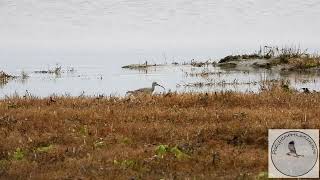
x: 154, y: 23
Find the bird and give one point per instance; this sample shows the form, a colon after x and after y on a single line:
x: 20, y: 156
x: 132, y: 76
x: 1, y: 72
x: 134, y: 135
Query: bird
x: 145, y: 90
x: 292, y: 150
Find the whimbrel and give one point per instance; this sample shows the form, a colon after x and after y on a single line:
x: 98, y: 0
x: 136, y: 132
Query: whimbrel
x: 145, y: 90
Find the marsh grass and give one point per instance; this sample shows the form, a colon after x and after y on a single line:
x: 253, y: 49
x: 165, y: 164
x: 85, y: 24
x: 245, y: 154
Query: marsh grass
x: 24, y: 75
x: 206, y: 72
x: 176, y: 136
x: 4, y: 75
x: 143, y: 66
x: 294, y: 57
x: 57, y: 70
x: 213, y: 82
x: 5, y: 78
x: 197, y: 63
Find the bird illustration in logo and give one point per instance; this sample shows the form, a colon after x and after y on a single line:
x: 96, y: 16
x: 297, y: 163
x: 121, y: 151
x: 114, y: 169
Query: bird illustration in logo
x: 292, y: 150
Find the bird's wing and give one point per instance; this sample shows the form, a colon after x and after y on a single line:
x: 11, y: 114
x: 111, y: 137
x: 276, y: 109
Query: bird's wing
x: 129, y: 92
x: 292, y: 149
x: 138, y: 91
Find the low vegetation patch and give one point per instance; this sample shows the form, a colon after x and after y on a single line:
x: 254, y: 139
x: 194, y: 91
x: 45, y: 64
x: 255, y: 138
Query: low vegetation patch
x: 140, y: 66
x: 163, y: 150
x: 287, y: 58
x: 4, y: 75
x: 243, y: 57
x: 57, y: 70
x: 212, y: 83
x: 4, y: 78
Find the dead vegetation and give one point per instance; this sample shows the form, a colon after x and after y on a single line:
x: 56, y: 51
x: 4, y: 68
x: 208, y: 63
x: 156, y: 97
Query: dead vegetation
x: 4, y: 75
x: 241, y: 57
x: 212, y: 82
x: 196, y: 63
x: 56, y: 70
x: 4, y: 78
x: 172, y: 136
x: 206, y: 73
x: 288, y: 58
x: 140, y: 66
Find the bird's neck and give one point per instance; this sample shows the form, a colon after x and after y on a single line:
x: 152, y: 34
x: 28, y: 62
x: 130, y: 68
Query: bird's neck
x: 153, y: 87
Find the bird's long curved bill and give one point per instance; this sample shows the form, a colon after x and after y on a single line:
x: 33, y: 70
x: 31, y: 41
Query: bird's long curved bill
x: 161, y: 86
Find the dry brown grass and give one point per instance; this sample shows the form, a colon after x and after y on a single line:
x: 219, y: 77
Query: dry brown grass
x: 221, y: 135
x: 303, y: 63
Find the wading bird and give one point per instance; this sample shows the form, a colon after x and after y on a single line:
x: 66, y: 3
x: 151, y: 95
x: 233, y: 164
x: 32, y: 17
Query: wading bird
x: 145, y: 90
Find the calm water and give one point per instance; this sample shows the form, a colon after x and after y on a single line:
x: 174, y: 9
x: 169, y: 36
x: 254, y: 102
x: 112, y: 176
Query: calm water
x: 97, y: 37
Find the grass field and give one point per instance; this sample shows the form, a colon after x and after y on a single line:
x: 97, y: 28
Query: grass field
x: 173, y: 136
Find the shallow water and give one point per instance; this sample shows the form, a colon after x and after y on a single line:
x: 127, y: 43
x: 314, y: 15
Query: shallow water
x: 97, y: 37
